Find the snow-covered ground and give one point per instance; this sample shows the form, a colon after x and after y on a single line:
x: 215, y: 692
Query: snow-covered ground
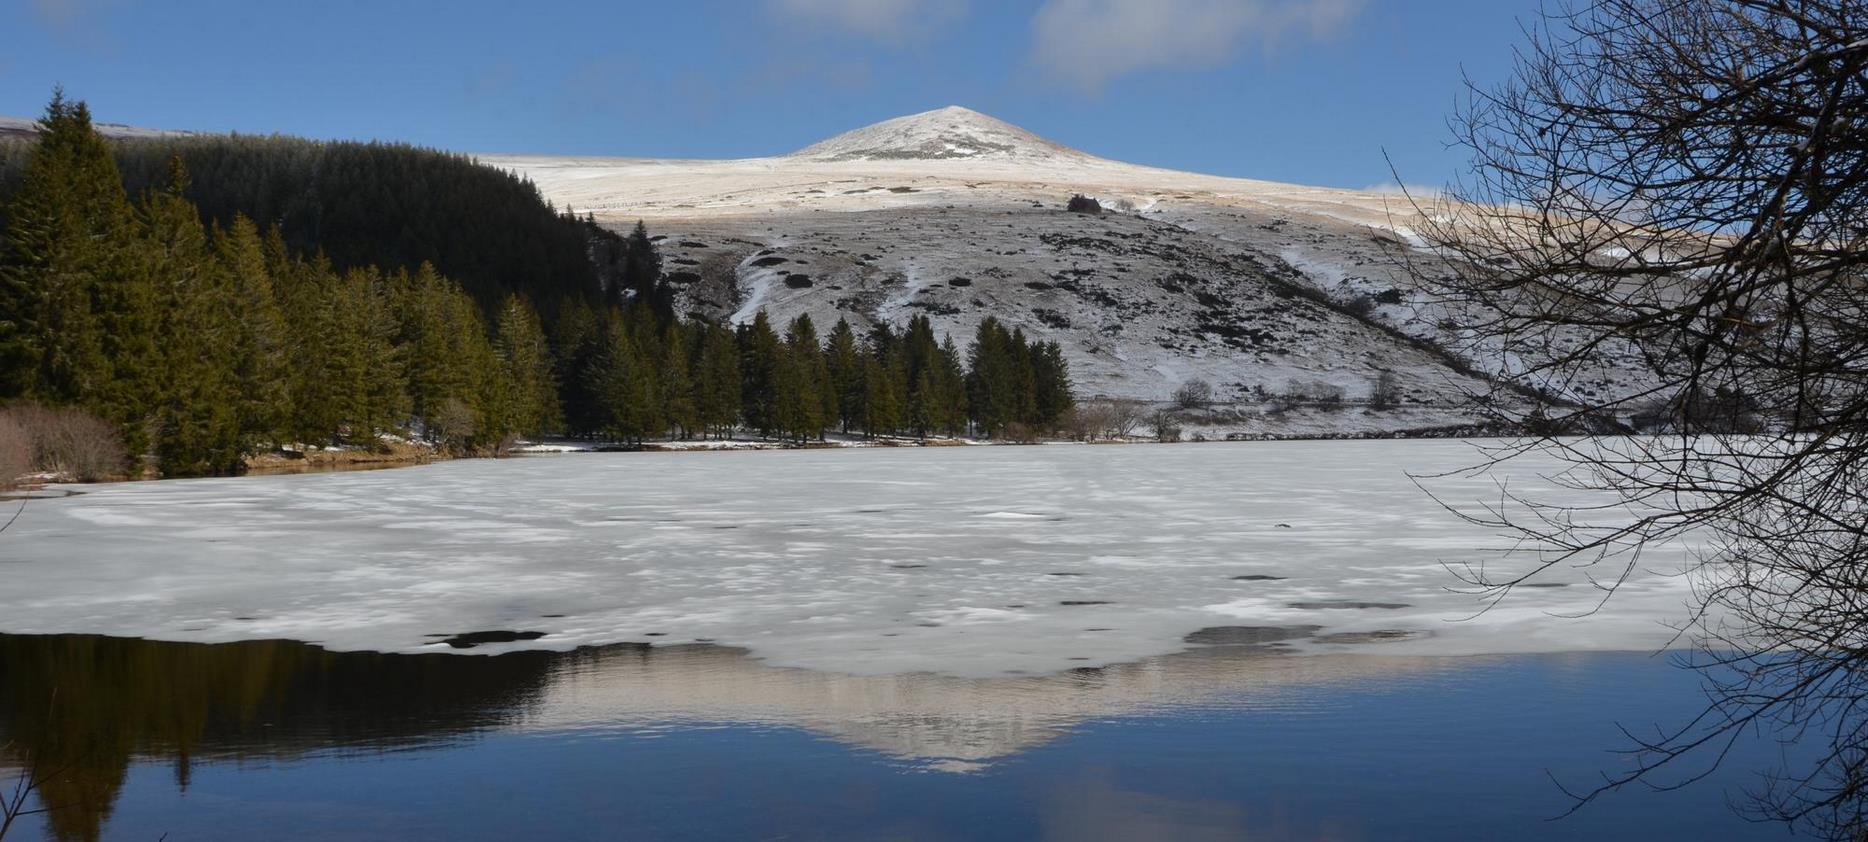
x: 959, y: 561
x: 958, y: 216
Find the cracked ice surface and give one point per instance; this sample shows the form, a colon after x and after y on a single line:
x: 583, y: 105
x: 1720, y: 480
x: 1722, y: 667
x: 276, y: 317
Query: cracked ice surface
x: 953, y: 560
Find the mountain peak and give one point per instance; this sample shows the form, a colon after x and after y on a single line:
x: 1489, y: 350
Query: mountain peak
x: 947, y: 133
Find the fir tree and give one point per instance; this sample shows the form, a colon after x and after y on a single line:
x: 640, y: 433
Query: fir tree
x: 950, y: 385
x: 844, y: 365
x: 526, y: 358
x: 992, y: 378
x: 718, y: 386
x: 1054, y: 396
x: 642, y: 275
x: 882, y: 395
x: 760, y: 353
x: 817, y: 400
x: 578, y: 343
x: 258, y: 338
x: 626, y: 388
x: 190, y: 391
x: 68, y: 280
x: 676, y: 383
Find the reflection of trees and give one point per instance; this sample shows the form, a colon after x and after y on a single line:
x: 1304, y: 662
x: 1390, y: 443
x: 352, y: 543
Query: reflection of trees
x: 80, y: 708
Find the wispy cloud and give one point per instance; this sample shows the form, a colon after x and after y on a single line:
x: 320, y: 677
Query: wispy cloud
x: 891, y: 22
x: 1085, y: 44
x: 83, y: 23
x: 1418, y: 191
x: 490, y: 81
x: 58, y: 13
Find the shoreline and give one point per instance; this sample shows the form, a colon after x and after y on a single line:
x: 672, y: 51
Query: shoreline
x: 405, y: 454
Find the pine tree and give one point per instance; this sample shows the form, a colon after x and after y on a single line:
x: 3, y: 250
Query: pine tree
x: 676, y: 383
x: 882, y: 395
x: 718, y: 381
x: 1054, y: 395
x: 844, y: 364
x: 526, y: 358
x: 992, y: 379
x: 66, y: 225
x: 816, y: 399
x: 191, y: 391
x: 438, y: 335
x: 373, y: 391
x: 259, y: 338
x: 642, y: 275
x: 318, y: 358
x: 760, y: 352
x: 626, y: 387
x: 950, y: 384
x: 1024, y: 380
x: 578, y: 340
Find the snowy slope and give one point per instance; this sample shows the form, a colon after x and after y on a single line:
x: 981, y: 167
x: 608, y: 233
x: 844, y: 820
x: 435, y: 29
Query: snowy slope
x: 1253, y: 285
x: 27, y: 126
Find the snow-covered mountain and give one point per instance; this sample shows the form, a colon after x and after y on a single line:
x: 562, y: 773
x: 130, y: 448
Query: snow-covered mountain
x: 1258, y: 287
x: 949, y: 133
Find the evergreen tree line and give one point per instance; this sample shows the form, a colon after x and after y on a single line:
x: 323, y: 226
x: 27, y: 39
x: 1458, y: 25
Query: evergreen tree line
x: 386, y: 205
x: 627, y: 375
x: 207, y: 342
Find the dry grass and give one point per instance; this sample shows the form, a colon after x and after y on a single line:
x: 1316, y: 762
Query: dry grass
x: 70, y: 443
x: 15, y: 451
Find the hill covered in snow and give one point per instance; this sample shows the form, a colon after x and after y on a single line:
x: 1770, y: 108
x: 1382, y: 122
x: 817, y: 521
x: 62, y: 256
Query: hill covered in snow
x: 1264, y: 289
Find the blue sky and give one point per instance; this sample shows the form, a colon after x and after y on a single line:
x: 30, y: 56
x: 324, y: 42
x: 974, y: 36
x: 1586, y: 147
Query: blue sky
x: 1308, y: 91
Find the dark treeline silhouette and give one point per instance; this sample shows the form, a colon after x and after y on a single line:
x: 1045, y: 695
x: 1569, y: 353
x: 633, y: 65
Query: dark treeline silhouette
x: 76, y: 711
x: 390, y: 206
x: 631, y: 377
x: 208, y: 338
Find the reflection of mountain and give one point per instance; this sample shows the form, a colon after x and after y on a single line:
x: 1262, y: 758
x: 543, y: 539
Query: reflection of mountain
x: 80, y: 709
x: 941, y: 721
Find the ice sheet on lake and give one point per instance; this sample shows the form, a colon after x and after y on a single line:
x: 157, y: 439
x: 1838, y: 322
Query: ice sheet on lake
x: 965, y: 561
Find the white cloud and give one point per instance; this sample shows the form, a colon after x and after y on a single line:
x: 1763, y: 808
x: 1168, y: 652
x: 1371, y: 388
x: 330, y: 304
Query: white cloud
x: 1418, y: 191
x: 1086, y: 43
x: 893, y: 22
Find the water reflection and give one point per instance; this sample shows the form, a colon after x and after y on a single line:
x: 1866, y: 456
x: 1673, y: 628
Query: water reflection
x: 82, y: 709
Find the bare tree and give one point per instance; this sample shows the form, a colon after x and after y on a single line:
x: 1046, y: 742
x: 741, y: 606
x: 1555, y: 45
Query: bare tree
x: 1683, y: 185
x: 1193, y: 394
x: 1385, y: 392
x: 1167, y: 427
x: 16, y: 799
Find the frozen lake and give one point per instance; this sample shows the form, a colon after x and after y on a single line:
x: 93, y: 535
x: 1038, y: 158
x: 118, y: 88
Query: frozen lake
x: 961, y: 561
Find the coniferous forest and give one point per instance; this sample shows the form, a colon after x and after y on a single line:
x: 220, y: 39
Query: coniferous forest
x: 218, y: 297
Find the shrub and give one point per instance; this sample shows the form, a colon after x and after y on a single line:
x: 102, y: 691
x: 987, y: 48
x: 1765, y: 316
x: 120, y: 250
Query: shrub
x: 1316, y: 394
x: 1193, y: 394
x: 1019, y: 433
x: 1105, y: 419
x: 1386, y: 392
x: 1084, y: 204
x: 15, y: 451
x: 71, y: 443
x: 454, y: 425
x: 1167, y: 427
